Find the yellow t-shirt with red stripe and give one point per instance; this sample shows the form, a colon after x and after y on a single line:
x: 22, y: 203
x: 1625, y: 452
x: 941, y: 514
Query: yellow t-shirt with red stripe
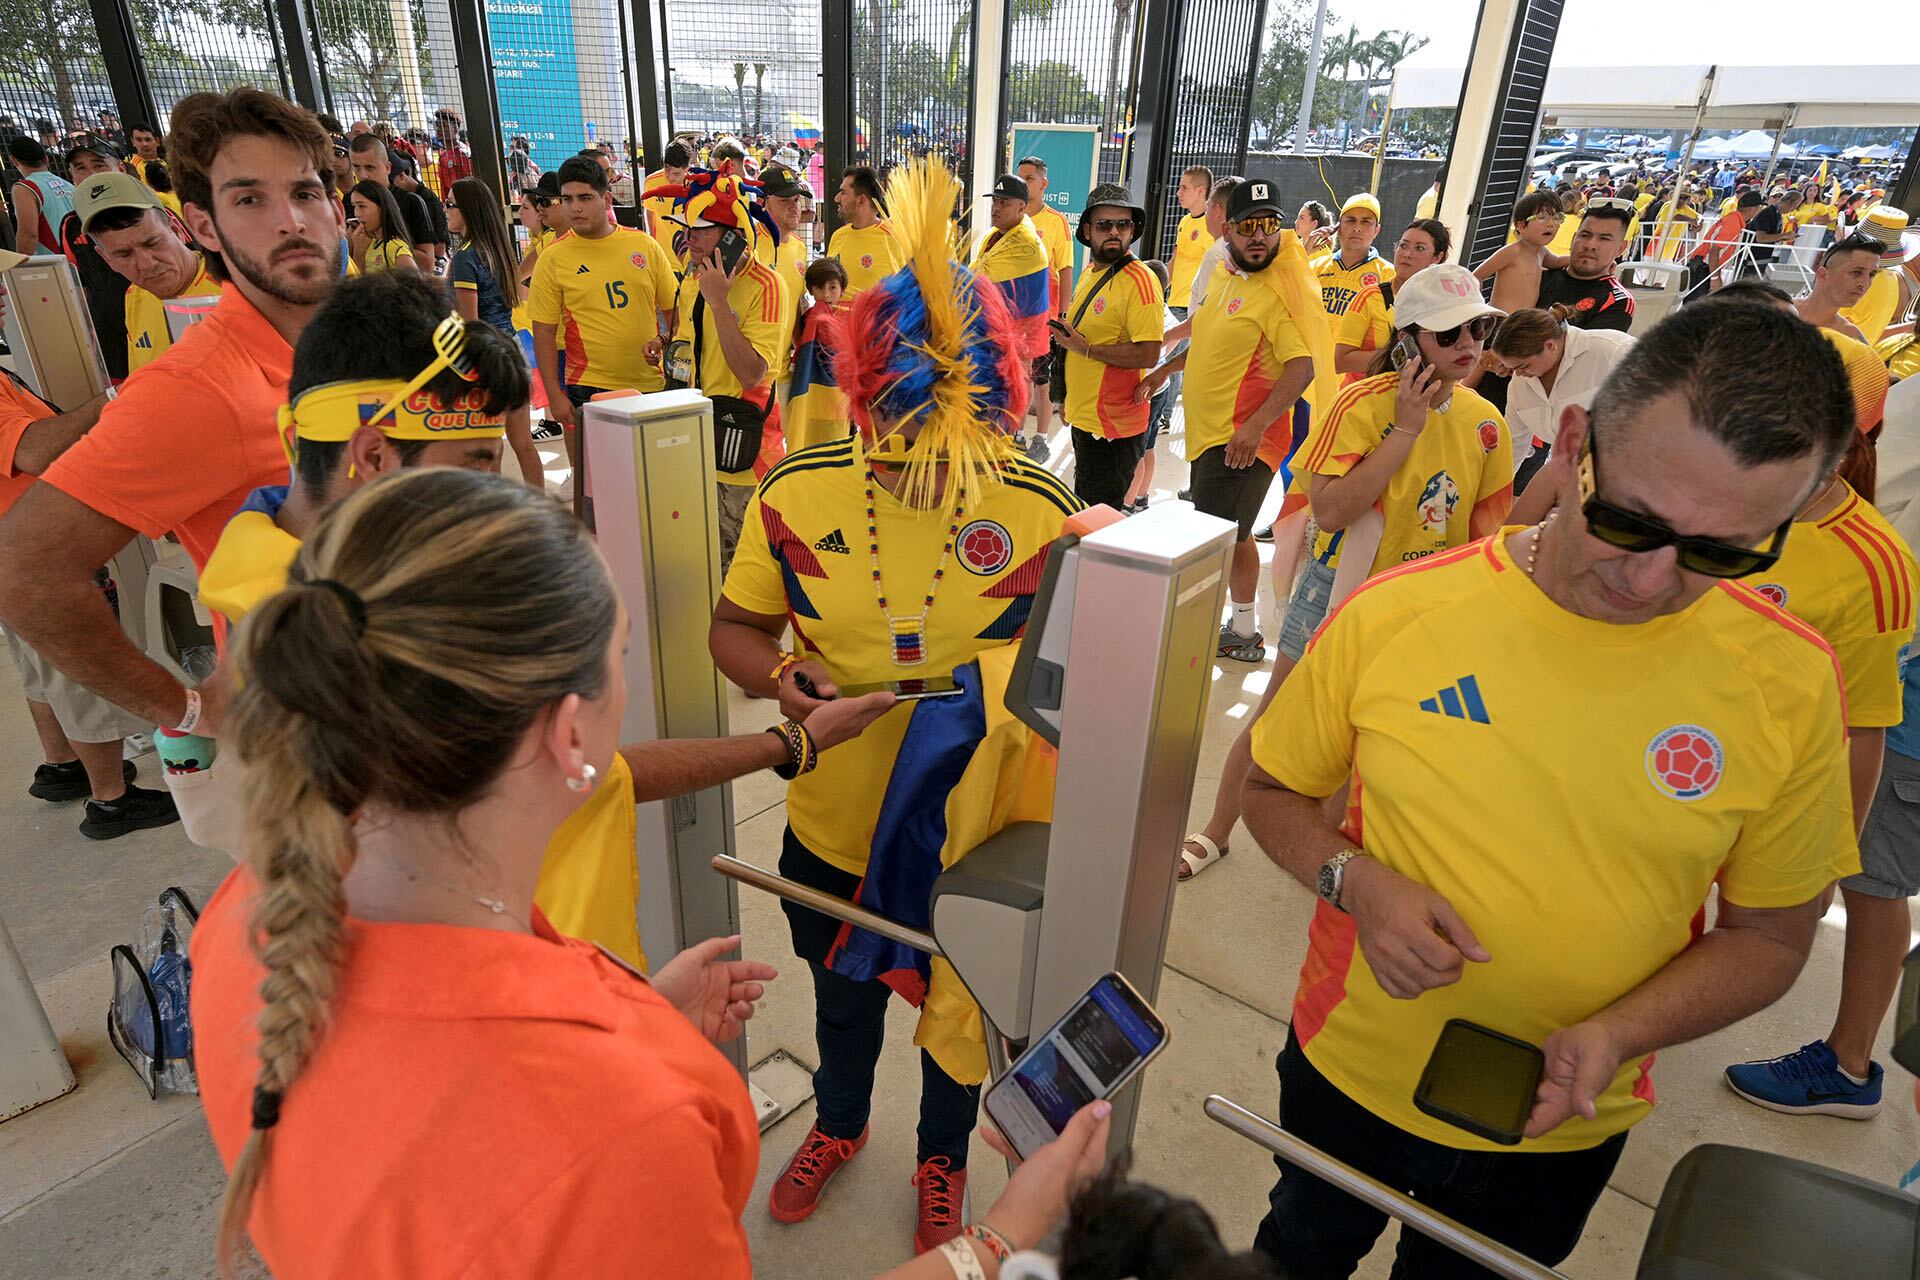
x: 605, y: 295
x: 1461, y: 462
x: 147, y: 333
x: 1126, y: 308
x: 1058, y: 237
x: 1341, y: 284
x: 758, y: 300
x: 1191, y: 242
x: 1366, y: 326
x: 1243, y: 336
x: 868, y: 254
x: 1866, y: 374
x: 804, y: 553
x: 789, y: 258
x: 1850, y: 577
x: 1698, y: 748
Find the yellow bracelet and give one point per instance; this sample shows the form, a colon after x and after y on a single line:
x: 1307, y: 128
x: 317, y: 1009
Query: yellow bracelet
x: 788, y: 661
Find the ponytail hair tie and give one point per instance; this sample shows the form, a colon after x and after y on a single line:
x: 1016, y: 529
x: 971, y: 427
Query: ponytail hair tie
x: 356, y: 607
x: 266, y: 1107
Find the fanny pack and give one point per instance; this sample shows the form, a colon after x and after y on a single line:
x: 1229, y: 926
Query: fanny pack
x: 1057, y: 376
x: 737, y: 423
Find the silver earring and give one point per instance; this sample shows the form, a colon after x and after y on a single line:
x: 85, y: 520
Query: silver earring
x: 586, y: 779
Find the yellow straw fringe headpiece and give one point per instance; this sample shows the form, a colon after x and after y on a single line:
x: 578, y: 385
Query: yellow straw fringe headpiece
x: 958, y: 427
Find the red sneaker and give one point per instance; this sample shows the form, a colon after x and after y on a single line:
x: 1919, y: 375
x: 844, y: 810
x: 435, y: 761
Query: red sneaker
x: 796, y: 1192
x: 943, y: 1195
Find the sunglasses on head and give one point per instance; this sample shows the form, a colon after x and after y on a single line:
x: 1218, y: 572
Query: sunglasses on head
x: 1633, y: 532
x: 1261, y: 225
x: 1480, y: 328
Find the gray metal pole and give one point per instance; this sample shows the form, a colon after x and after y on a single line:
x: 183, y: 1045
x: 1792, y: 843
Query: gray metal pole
x: 1313, y: 78
x: 826, y: 904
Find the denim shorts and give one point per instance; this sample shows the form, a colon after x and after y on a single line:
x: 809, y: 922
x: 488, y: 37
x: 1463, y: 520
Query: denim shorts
x: 1307, y: 609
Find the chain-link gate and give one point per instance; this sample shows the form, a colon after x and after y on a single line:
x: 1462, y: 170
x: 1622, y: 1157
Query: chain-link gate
x: 208, y: 46
x: 1209, y: 100
x: 1075, y: 62
x: 912, y: 84
x: 559, y: 70
x: 752, y: 72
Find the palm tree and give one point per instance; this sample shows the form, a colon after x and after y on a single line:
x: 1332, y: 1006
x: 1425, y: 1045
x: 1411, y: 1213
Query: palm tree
x: 740, y: 88
x: 1341, y: 51
x: 1116, y: 39
x: 759, y: 97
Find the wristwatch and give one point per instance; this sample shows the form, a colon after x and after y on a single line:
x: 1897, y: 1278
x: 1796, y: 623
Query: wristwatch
x: 1333, y: 874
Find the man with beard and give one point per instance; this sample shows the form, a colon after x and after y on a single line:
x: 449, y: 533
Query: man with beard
x: 1110, y: 338
x: 1587, y: 282
x: 1246, y: 411
x: 195, y: 433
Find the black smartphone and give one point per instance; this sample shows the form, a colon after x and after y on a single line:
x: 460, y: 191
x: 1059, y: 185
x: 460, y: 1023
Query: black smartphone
x: 1481, y: 1080
x: 732, y: 245
x: 906, y: 690
x: 1102, y: 1042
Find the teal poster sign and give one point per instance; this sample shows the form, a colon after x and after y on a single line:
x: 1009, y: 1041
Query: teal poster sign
x: 1072, y: 153
x: 537, y: 76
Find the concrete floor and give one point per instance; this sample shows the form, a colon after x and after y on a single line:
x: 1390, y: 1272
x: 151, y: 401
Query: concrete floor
x: 104, y: 1182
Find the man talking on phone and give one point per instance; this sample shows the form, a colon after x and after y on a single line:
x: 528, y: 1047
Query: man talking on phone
x: 1684, y: 733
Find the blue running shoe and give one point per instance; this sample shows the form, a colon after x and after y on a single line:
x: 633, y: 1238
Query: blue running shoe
x: 1807, y: 1082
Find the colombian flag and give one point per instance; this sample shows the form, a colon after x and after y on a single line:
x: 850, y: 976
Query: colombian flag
x: 806, y: 131
x: 1016, y: 260
x: 816, y: 407
x: 966, y: 769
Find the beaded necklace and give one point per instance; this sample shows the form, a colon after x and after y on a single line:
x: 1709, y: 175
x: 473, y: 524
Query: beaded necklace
x: 908, y: 635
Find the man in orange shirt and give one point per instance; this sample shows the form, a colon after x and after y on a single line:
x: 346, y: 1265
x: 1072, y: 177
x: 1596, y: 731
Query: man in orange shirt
x: 79, y: 731
x: 1722, y: 238
x: 195, y: 433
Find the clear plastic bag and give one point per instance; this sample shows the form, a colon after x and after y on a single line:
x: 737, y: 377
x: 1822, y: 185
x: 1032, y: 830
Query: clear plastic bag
x: 148, y: 1020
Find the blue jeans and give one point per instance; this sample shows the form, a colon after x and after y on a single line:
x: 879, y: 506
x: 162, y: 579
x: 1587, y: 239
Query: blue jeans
x: 849, y: 1026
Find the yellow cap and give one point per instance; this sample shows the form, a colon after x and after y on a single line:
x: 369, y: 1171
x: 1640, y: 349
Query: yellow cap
x: 1364, y: 200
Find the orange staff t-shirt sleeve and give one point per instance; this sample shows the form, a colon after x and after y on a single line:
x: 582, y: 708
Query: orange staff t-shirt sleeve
x: 188, y: 439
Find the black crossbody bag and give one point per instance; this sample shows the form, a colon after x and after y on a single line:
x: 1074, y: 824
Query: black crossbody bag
x: 1057, y: 381
x: 737, y: 423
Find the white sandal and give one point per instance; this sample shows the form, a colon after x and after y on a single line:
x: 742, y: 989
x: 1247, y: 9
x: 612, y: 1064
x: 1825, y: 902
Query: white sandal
x: 1191, y: 866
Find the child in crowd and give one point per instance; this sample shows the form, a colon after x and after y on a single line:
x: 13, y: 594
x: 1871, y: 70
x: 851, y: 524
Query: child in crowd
x: 816, y: 407
x: 1517, y: 267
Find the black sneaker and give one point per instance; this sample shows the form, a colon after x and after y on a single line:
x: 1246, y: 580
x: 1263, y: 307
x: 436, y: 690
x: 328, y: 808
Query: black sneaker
x: 1263, y: 534
x: 546, y: 429
x: 137, y: 810
x: 1185, y: 495
x: 61, y: 782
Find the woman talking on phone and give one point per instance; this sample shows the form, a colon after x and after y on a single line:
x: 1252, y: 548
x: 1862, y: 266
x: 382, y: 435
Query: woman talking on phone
x: 901, y: 552
x: 407, y: 1071
x: 1431, y: 456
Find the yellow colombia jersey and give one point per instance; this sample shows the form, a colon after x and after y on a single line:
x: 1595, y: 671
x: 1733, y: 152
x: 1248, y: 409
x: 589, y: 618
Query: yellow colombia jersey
x: 789, y: 259
x: 1701, y: 747
x: 388, y: 254
x: 1191, y: 242
x: 605, y: 295
x: 147, y: 332
x: 1462, y: 461
x: 1243, y: 337
x: 536, y: 241
x: 589, y: 883
x: 804, y: 554
x: 1058, y: 237
x: 1340, y: 284
x: 1367, y: 325
x: 1866, y: 374
x: 869, y: 254
x: 1874, y: 312
x: 1850, y: 577
x: 758, y: 300
x: 1126, y: 308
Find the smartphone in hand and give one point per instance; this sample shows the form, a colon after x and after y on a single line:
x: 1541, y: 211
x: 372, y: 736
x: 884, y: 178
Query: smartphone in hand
x: 1481, y: 1080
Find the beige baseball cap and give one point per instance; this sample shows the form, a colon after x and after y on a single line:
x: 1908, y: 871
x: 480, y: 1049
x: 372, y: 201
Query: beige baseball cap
x: 106, y: 191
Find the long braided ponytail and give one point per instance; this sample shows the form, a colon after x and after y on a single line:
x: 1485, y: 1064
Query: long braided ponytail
x: 427, y: 623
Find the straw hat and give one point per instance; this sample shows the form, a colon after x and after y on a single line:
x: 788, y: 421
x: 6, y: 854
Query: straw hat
x: 1888, y: 225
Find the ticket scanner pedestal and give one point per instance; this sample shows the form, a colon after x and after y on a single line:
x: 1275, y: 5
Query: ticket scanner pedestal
x: 656, y: 521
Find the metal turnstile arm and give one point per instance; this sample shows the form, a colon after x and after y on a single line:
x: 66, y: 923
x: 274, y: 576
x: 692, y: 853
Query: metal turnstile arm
x: 826, y: 904
x: 1491, y: 1254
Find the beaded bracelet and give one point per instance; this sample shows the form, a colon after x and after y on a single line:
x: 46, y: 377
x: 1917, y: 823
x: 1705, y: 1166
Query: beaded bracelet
x: 997, y: 1245
x: 802, y: 753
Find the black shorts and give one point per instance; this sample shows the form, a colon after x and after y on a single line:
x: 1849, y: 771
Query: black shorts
x: 1230, y: 493
x: 1043, y: 368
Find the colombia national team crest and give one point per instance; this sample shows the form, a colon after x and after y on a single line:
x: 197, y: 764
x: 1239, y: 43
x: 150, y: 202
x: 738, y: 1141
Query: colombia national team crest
x: 1489, y: 435
x: 866, y: 261
x: 639, y: 260
x: 1233, y: 306
x: 1773, y: 593
x: 1685, y: 762
x: 985, y: 547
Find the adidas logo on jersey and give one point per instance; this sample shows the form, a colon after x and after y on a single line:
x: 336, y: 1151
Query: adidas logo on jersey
x: 835, y: 542
x: 582, y: 271
x: 1459, y: 701
x: 145, y: 343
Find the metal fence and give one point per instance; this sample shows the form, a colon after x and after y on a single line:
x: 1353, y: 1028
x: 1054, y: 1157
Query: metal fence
x: 52, y: 77
x: 209, y: 46
x: 1077, y: 62
x: 1212, y: 91
x: 752, y: 72
x: 912, y: 80
x: 559, y: 69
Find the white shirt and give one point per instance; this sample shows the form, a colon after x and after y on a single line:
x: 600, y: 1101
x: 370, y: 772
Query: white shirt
x: 1215, y: 255
x: 1533, y: 412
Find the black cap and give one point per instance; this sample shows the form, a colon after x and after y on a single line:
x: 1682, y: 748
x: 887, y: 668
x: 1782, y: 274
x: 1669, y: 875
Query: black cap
x: 91, y: 142
x: 778, y: 181
x: 1255, y: 195
x: 548, y: 187
x: 1009, y: 186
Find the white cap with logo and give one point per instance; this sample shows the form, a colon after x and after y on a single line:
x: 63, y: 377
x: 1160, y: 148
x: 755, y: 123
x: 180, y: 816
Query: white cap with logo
x: 1443, y: 296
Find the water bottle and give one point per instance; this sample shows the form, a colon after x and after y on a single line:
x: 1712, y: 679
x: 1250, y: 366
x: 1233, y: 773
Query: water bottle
x: 184, y: 752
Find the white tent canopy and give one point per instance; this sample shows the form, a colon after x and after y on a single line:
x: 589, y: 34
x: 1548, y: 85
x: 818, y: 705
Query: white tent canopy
x: 1669, y: 97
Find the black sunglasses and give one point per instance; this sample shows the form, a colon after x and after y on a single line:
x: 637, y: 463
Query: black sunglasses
x: 1630, y: 531
x: 1480, y: 328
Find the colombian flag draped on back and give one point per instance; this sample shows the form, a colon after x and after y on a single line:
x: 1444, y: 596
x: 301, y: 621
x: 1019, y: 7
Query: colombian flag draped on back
x: 816, y: 407
x: 965, y: 769
x: 1016, y: 260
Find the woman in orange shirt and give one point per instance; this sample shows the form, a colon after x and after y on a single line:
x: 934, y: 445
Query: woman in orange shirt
x: 407, y: 1071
